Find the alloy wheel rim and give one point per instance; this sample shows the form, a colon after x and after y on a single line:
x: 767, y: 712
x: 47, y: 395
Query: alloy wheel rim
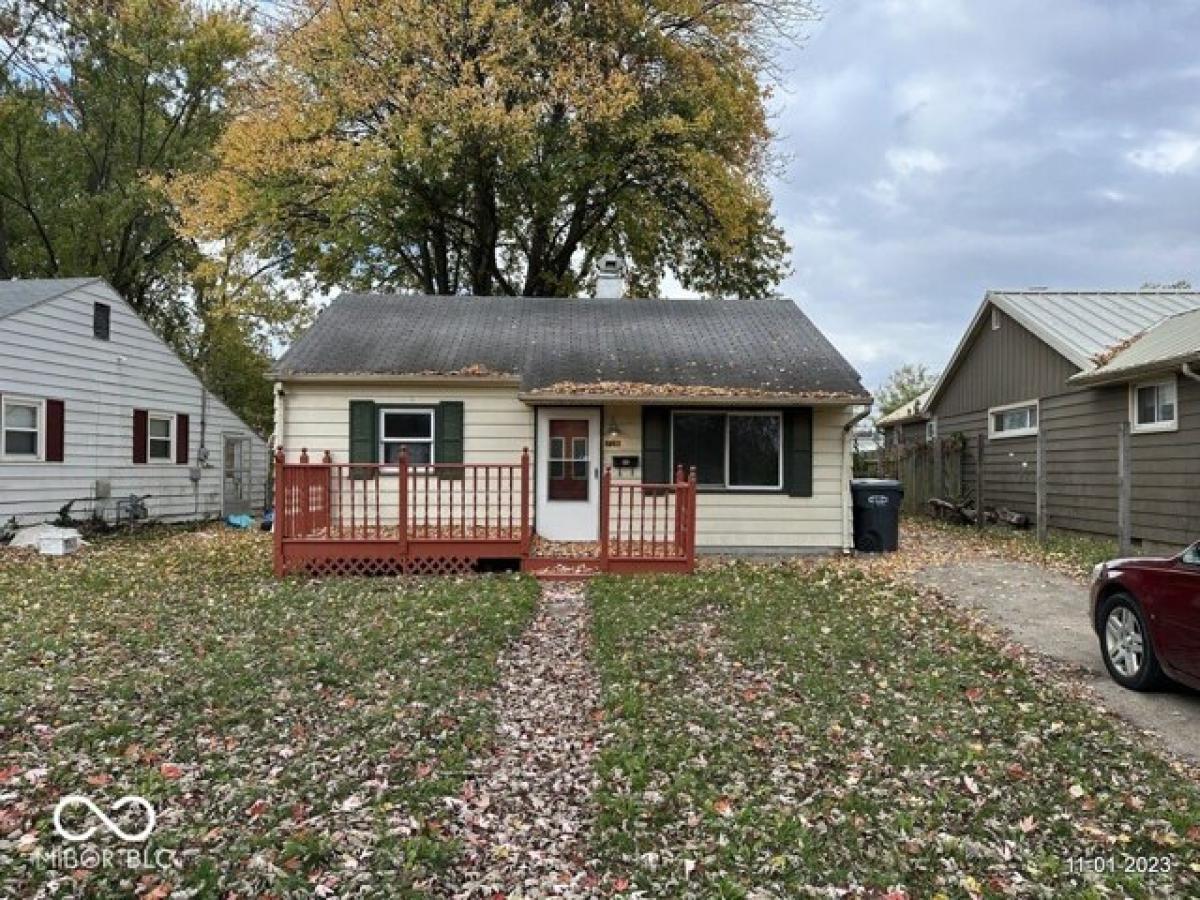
x: 1125, y: 642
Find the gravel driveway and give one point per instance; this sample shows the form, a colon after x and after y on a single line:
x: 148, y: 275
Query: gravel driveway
x: 1047, y: 612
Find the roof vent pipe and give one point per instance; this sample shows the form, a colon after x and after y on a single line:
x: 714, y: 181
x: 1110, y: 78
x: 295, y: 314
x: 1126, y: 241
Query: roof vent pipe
x: 610, y: 276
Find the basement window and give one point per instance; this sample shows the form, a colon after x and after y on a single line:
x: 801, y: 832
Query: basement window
x: 1153, y: 406
x: 1014, y: 420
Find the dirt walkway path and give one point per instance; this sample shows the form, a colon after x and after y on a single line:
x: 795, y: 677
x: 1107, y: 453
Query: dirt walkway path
x: 1048, y: 613
x: 525, y: 818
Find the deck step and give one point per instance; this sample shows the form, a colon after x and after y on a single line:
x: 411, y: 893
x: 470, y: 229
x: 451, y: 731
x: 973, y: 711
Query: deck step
x: 553, y: 568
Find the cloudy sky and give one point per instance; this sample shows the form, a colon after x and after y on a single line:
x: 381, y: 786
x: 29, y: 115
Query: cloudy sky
x: 937, y: 148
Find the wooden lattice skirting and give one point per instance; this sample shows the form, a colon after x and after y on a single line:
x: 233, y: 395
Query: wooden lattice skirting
x: 360, y: 566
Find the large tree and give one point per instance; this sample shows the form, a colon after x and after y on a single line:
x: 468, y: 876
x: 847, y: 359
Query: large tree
x: 500, y: 146
x: 907, y: 382
x: 102, y: 103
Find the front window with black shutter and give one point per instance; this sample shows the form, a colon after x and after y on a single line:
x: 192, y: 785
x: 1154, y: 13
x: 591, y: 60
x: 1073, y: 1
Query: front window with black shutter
x: 730, y: 450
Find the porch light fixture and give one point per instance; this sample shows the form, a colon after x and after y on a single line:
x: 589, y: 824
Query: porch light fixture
x: 614, y: 431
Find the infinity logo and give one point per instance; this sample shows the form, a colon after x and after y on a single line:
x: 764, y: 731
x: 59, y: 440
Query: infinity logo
x: 79, y: 800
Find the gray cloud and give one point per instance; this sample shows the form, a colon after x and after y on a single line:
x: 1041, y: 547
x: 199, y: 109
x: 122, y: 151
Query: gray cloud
x: 937, y: 148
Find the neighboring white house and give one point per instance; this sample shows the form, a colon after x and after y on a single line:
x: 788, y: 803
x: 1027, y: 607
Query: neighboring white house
x: 748, y: 392
x: 95, y: 407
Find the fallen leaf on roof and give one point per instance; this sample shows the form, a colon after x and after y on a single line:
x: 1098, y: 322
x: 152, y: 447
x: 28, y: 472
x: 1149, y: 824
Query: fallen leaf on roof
x: 647, y: 389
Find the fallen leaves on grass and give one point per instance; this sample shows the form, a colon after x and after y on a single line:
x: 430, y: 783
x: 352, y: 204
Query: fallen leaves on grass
x: 888, y: 748
x: 274, y: 725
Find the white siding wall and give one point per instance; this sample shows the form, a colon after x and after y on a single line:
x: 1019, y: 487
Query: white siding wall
x: 764, y: 521
x: 48, y: 351
x: 497, y: 425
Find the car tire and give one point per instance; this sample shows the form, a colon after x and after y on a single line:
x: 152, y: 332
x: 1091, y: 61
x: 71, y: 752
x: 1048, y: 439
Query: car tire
x: 1126, y: 646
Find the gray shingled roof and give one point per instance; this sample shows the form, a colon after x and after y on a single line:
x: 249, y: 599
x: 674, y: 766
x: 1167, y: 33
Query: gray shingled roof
x: 26, y: 292
x: 768, y: 346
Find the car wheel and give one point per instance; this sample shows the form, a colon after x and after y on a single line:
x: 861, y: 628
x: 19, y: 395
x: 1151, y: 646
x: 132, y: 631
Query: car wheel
x: 1126, y: 646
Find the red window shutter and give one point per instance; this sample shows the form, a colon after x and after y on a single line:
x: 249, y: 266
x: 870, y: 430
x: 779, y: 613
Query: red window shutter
x: 141, y: 434
x: 181, y: 438
x: 56, y: 414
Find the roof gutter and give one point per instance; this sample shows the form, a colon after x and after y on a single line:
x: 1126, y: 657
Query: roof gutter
x: 415, y: 378
x: 1100, y: 377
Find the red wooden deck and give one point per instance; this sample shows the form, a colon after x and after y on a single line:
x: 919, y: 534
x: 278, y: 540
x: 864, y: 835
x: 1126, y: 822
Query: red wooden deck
x: 449, y: 518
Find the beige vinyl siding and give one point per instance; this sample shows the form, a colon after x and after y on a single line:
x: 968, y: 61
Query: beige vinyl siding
x: 496, y: 425
x: 496, y: 428
x: 48, y: 351
x: 744, y: 520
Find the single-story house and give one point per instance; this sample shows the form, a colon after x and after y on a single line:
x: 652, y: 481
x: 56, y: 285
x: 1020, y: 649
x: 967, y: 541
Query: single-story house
x: 748, y: 393
x: 95, y: 407
x: 1075, y: 366
x: 908, y: 423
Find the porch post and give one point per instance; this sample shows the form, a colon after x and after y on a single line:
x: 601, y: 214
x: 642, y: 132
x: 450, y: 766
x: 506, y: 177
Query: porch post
x: 526, y: 536
x: 402, y: 503
x: 691, y: 518
x: 277, y: 529
x: 679, y: 494
x: 605, y: 490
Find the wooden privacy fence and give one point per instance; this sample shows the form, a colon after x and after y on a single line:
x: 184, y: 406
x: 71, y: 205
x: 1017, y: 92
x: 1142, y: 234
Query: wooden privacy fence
x: 927, y: 470
x: 1002, y: 477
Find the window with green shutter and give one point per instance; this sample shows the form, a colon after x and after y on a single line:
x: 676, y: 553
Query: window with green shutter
x: 363, y: 445
x: 449, y: 446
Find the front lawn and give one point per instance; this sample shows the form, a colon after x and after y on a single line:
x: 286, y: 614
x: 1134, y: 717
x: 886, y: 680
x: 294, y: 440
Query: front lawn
x: 295, y: 738
x: 779, y: 733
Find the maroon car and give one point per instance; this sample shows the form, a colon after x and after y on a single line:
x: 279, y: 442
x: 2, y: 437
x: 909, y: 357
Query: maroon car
x: 1146, y: 612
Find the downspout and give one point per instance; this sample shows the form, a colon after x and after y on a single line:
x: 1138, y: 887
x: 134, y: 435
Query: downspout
x: 847, y: 429
x: 1191, y: 373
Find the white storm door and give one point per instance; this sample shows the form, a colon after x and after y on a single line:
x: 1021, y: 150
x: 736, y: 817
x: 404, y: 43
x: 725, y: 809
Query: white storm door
x: 568, y: 474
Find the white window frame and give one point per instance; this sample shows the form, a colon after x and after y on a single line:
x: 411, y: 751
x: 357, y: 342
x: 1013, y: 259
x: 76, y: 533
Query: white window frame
x: 995, y: 319
x: 776, y: 414
x: 431, y: 440
x: 169, y: 418
x: 40, y: 405
x: 1152, y: 427
x: 995, y: 435
x: 931, y: 430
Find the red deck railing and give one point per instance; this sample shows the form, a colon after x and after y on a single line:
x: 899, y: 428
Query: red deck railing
x: 644, y: 525
x: 396, y: 511
x: 362, y: 518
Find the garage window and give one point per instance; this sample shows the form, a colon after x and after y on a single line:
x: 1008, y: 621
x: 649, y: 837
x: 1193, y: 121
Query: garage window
x: 1154, y: 406
x: 1014, y: 420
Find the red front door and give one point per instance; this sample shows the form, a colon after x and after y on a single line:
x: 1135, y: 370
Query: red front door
x: 570, y: 460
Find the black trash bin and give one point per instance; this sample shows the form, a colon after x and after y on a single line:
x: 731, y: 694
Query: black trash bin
x: 876, y: 513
